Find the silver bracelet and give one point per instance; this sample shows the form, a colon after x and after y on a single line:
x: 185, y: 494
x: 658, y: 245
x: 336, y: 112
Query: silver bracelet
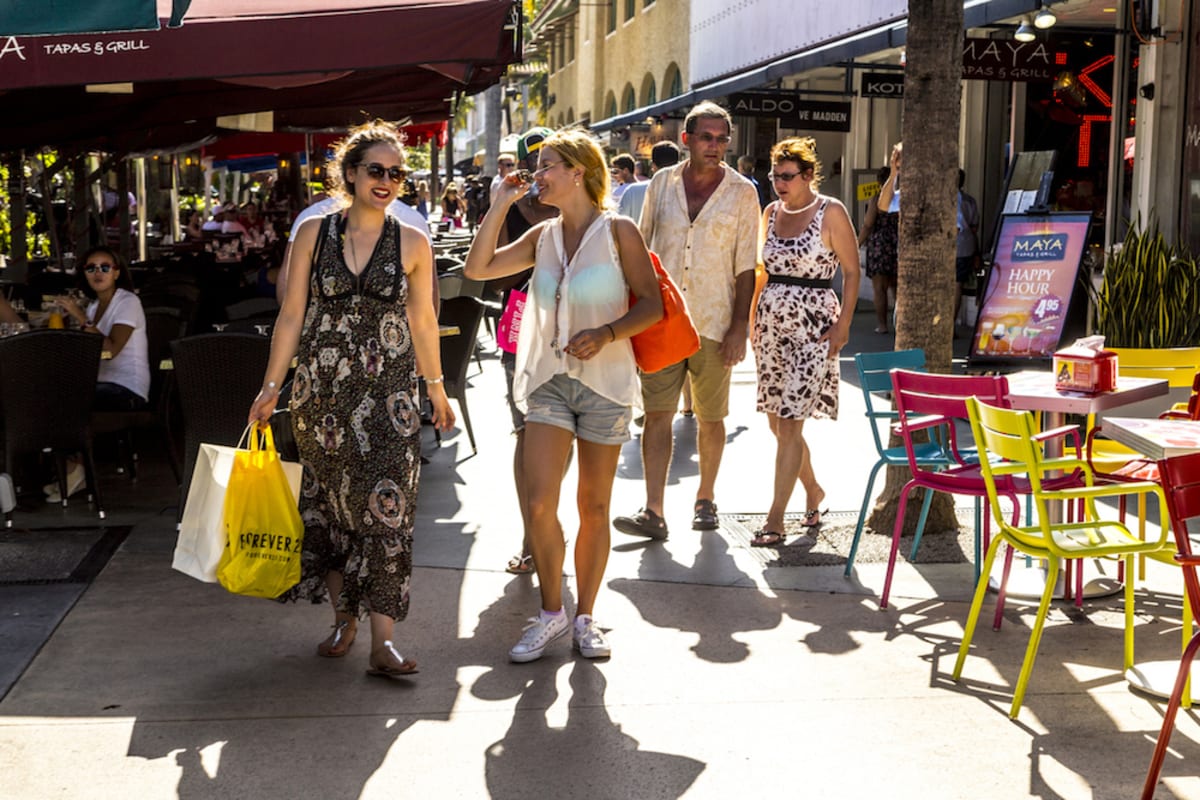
x: 438, y: 379
x: 270, y: 387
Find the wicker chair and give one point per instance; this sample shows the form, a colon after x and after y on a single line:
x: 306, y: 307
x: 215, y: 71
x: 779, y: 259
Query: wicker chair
x: 217, y: 376
x: 47, y: 382
x: 465, y: 313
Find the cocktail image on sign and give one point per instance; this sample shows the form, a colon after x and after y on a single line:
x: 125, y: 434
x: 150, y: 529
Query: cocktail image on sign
x: 1024, y: 304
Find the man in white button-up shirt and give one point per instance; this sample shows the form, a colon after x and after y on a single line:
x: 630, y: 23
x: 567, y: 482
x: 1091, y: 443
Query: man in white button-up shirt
x: 702, y: 219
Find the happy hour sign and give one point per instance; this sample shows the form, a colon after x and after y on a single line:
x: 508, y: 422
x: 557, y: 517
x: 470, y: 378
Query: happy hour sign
x: 1029, y: 287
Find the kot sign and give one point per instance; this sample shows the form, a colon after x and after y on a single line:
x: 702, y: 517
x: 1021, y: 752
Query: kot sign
x: 792, y: 111
x: 883, y: 84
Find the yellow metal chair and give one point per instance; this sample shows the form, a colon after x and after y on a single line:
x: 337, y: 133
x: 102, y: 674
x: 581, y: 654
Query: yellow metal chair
x: 1009, y: 445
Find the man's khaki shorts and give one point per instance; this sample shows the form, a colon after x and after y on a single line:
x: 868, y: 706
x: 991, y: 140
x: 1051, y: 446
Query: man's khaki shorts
x: 710, y: 384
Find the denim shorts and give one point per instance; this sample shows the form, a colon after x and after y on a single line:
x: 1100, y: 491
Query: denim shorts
x: 509, y: 360
x: 566, y: 403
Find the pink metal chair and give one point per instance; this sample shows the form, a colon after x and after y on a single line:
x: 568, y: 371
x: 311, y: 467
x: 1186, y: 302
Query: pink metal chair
x: 1180, y: 479
x: 934, y: 403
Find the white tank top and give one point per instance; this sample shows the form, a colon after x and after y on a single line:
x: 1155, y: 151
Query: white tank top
x: 592, y: 293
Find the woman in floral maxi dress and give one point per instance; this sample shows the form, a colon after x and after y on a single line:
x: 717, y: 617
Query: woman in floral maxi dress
x: 358, y: 315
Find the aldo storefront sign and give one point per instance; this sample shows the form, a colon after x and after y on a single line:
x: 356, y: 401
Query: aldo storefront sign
x: 792, y: 111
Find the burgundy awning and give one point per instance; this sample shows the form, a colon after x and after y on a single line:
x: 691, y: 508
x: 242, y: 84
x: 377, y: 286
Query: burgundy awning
x: 398, y: 60
x: 229, y: 39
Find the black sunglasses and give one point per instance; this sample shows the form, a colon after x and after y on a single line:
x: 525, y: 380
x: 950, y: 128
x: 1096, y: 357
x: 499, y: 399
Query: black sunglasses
x: 105, y: 268
x: 377, y: 171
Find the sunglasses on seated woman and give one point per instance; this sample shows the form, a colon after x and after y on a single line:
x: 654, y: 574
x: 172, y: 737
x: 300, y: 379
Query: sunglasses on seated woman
x: 377, y: 171
x: 105, y: 268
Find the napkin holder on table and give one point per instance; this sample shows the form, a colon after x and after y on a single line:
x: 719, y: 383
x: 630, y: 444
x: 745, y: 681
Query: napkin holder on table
x: 1086, y: 367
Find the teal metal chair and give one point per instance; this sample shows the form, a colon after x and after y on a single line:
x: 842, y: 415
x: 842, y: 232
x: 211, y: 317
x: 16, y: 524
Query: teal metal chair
x: 875, y: 375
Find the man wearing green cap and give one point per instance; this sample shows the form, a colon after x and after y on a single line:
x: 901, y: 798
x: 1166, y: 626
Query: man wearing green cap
x: 522, y: 215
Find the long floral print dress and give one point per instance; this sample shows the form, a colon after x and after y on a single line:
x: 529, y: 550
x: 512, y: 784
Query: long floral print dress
x: 355, y: 416
x: 796, y: 377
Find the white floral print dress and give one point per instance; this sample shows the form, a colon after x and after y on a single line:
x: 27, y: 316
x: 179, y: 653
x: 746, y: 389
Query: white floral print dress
x: 796, y: 377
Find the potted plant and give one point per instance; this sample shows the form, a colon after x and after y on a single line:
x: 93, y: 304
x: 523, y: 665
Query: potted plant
x: 1150, y: 294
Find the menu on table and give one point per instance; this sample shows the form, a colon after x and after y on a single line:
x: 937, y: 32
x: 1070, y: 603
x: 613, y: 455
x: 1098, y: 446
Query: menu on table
x: 1155, y: 438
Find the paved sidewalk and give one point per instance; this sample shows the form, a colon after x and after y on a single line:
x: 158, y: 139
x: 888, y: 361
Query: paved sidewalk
x: 729, y: 678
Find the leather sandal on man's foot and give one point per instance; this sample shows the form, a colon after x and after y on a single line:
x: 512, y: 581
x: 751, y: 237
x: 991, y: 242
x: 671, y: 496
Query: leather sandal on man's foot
x: 704, y: 516
x: 338, y: 643
x: 386, y: 662
x: 644, y: 523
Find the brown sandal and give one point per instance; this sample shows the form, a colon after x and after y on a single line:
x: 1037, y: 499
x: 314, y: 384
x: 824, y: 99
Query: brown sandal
x: 765, y: 538
x: 338, y: 643
x: 386, y: 662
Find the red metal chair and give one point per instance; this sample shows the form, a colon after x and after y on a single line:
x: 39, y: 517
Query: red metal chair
x: 1180, y: 479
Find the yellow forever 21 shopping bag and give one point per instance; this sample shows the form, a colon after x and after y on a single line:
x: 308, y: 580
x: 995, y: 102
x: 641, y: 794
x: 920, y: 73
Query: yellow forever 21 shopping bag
x: 262, y: 523
x: 202, y: 537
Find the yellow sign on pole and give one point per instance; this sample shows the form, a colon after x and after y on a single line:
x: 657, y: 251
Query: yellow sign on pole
x: 868, y: 190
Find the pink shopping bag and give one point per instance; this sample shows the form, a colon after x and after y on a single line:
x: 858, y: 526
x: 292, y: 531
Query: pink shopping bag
x: 510, y: 322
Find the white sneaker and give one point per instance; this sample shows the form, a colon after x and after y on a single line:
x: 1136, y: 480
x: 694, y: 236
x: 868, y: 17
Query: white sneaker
x: 588, y: 639
x: 541, y: 631
x: 76, y: 479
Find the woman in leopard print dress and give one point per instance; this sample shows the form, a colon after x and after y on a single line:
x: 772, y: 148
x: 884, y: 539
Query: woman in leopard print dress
x: 799, y: 325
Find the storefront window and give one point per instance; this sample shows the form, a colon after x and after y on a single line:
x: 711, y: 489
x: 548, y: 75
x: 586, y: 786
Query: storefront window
x: 1189, y: 202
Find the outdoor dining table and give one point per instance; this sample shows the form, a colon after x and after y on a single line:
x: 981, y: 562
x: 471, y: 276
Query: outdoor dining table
x: 1156, y: 439
x: 1034, y: 390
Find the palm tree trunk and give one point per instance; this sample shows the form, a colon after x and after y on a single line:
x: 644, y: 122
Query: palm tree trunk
x: 928, y: 212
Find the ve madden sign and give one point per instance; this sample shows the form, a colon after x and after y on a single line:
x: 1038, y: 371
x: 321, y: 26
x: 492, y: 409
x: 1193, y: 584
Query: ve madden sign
x: 792, y: 111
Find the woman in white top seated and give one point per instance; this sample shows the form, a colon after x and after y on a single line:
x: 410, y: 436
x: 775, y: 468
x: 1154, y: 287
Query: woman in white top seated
x: 116, y: 313
x: 576, y: 378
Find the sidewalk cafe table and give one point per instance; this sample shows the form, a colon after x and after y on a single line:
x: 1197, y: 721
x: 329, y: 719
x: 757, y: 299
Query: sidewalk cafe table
x: 1156, y: 439
x: 1033, y: 390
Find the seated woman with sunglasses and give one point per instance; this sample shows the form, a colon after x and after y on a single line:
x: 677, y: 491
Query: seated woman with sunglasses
x: 116, y: 314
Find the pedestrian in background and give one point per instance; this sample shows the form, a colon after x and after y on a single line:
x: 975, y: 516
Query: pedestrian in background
x: 883, y: 240
x: 522, y: 215
x: 664, y: 154
x: 745, y: 166
x: 623, y: 167
x: 966, y: 243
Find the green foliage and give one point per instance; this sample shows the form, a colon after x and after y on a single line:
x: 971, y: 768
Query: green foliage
x: 417, y: 157
x: 36, y: 243
x: 1150, y: 296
